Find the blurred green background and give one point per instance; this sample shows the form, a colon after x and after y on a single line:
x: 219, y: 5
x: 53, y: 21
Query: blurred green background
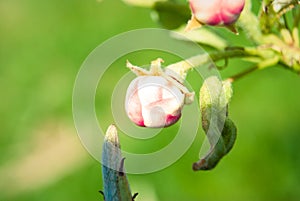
x: 42, y: 46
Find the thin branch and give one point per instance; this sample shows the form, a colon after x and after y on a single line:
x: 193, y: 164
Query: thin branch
x: 242, y: 74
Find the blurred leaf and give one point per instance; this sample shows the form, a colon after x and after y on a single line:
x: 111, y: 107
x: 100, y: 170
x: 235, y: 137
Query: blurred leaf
x: 172, y: 15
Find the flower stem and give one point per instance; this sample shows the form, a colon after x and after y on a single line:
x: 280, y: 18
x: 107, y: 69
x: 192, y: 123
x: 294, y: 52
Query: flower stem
x: 184, y: 66
x: 242, y: 74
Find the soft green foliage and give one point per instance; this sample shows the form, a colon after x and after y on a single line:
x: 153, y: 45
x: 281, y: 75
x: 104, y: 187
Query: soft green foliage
x: 171, y: 15
x: 42, y: 46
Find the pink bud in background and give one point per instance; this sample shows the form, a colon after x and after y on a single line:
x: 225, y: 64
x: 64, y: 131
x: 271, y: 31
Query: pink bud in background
x: 216, y: 12
x: 156, y: 97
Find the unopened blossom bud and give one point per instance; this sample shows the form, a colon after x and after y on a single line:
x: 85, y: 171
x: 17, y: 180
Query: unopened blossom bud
x: 215, y: 12
x: 155, y: 99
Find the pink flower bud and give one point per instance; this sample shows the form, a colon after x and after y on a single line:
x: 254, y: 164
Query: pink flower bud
x: 152, y: 101
x: 155, y: 99
x: 217, y: 12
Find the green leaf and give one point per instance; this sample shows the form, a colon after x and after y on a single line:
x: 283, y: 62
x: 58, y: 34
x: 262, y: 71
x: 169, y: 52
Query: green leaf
x: 219, y: 150
x: 215, y: 96
x: 116, y: 186
x: 172, y: 15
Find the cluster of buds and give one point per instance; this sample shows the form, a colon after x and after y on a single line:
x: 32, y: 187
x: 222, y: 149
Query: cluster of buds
x: 156, y: 97
x: 214, y: 12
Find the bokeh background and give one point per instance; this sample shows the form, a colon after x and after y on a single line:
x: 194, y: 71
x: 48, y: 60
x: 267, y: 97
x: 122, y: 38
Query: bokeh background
x: 42, y: 46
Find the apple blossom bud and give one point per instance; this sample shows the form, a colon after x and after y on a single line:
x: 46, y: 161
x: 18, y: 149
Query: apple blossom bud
x: 155, y: 99
x: 216, y: 12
